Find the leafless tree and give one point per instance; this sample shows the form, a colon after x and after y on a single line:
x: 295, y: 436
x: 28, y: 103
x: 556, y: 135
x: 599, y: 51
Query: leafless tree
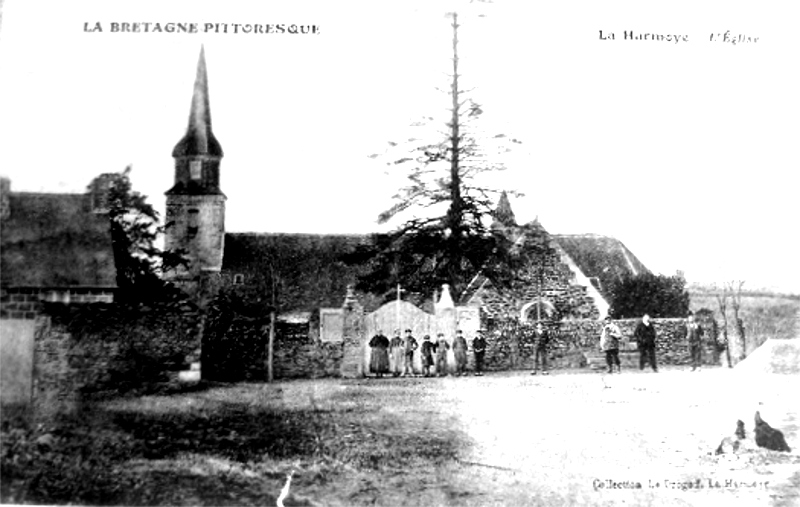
x: 722, y: 295
x: 735, y: 290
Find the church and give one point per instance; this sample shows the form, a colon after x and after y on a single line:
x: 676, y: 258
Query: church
x: 571, y: 281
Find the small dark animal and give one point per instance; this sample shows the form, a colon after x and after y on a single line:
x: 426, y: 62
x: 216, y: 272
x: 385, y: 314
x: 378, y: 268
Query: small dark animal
x: 768, y: 437
x: 732, y: 445
x: 740, y: 433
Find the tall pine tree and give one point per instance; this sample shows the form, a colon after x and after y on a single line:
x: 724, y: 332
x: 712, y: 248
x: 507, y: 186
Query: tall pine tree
x: 451, y: 240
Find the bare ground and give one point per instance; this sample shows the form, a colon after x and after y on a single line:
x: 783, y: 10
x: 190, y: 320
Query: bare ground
x: 570, y: 438
x: 514, y: 439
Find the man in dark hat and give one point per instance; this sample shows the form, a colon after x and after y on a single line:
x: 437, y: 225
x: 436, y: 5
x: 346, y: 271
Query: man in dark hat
x: 609, y: 343
x: 426, y: 351
x: 694, y: 335
x: 479, y: 349
x: 410, y: 345
x: 542, y: 341
x: 645, y: 335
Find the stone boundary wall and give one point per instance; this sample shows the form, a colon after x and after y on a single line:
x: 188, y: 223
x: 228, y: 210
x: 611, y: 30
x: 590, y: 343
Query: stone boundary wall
x: 238, y: 351
x: 575, y: 342
x: 83, y: 350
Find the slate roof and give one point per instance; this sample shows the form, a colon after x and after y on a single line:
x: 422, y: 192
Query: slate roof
x: 55, y: 240
x: 312, y: 265
x: 602, y: 257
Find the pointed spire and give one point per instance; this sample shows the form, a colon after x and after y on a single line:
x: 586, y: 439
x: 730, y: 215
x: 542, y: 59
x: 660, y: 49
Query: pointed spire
x: 199, y: 139
x: 504, y: 215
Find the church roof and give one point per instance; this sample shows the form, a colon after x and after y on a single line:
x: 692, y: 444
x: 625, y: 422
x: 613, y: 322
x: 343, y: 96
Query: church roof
x: 199, y: 139
x: 55, y: 240
x: 603, y: 258
x: 312, y: 267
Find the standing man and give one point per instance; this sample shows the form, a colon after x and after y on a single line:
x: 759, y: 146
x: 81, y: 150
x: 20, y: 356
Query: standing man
x: 460, y: 353
x: 541, y: 338
x: 410, y: 346
x: 427, y: 350
x: 694, y: 335
x: 609, y: 342
x: 479, y: 349
x: 645, y: 335
x: 441, y: 355
x: 397, y: 353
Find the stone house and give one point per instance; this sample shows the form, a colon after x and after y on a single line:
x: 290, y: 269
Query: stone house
x: 53, y: 248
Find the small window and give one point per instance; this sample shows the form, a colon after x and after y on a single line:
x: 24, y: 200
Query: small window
x: 238, y: 279
x: 193, y: 221
x: 195, y: 169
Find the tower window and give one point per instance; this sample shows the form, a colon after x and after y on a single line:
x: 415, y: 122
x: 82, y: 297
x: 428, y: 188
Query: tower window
x: 195, y: 169
x: 192, y: 223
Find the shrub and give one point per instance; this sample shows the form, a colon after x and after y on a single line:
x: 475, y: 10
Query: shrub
x: 657, y: 295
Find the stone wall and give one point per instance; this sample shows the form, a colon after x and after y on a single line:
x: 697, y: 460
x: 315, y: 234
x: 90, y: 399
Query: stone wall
x: 559, y: 289
x: 236, y: 349
x: 576, y: 343
x: 83, y: 350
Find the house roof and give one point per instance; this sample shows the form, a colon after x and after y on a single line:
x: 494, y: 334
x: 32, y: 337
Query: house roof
x: 604, y: 258
x: 312, y: 266
x: 55, y: 240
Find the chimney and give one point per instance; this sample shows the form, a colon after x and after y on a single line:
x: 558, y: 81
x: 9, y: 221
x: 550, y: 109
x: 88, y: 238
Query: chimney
x: 98, y: 192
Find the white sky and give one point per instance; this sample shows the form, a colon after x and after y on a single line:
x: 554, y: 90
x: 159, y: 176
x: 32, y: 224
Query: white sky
x: 686, y: 152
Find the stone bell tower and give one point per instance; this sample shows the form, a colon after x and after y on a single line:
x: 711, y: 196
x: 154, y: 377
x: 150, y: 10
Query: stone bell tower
x: 195, y: 214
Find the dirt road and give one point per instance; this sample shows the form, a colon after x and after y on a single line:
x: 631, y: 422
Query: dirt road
x: 633, y: 439
x: 505, y: 439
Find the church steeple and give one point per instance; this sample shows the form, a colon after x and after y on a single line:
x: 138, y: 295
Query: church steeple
x: 199, y: 139
x: 198, y: 154
x: 195, y: 204
x: 503, y: 214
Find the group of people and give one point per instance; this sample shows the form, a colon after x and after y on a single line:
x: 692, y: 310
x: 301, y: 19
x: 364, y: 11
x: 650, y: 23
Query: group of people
x: 396, y: 356
x: 645, y: 336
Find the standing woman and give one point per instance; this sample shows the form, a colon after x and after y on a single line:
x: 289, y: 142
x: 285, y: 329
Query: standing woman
x: 379, y: 362
x: 441, y: 355
x: 398, y: 353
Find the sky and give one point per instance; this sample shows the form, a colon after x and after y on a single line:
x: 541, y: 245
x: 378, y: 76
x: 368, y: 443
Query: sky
x: 685, y: 151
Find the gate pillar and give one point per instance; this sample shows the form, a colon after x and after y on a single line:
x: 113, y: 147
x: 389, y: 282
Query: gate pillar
x: 353, y: 329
